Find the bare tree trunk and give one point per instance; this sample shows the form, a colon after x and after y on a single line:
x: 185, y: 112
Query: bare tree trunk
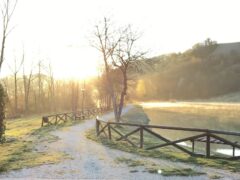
x: 35, y: 102
x: 26, y: 86
x: 109, y: 102
x: 3, y: 47
x: 15, y: 94
x: 123, y: 57
x: 52, y: 89
x: 83, y: 95
x: 53, y: 103
x: 123, y: 94
x: 27, y: 93
x: 15, y: 73
x: 106, y: 44
x: 75, y: 96
x: 39, y: 88
x: 111, y: 90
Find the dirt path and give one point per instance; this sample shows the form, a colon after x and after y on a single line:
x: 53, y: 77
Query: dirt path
x: 91, y: 160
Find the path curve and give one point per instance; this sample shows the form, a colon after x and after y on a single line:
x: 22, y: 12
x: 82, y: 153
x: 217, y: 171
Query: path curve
x: 91, y: 160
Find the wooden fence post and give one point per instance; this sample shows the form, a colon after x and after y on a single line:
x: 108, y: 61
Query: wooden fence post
x: 208, y: 153
x: 97, y: 127
x: 141, y: 137
x: 56, y: 118
x: 109, y: 132
x: 193, y: 145
x: 233, y: 151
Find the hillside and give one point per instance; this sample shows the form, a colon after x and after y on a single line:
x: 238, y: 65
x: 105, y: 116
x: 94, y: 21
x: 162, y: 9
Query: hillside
x: 206, y: 70
x: 227, y: 49
x: 232, y: 97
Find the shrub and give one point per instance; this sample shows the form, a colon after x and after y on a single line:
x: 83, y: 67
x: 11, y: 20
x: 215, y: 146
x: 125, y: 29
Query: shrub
x: 2, y: 114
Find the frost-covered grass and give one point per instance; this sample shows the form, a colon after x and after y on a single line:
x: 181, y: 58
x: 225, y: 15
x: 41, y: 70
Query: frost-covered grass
x: 23, y: 136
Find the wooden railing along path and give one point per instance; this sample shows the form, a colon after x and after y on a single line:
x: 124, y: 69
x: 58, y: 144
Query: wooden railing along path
x: 55, y: 119
x: 206, y: 136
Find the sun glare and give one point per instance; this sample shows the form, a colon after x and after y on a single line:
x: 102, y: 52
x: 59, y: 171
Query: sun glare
x: 84, y: 70
x: 75, y: 62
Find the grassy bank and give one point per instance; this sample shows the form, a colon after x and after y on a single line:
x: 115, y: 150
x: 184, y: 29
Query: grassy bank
x: 195, y: 114
x: 158, y: 168
x: 24, y: 136
x: 168, y: 153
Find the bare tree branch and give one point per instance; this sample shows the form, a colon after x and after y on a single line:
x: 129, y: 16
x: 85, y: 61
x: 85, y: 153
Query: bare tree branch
x: 7, y: 11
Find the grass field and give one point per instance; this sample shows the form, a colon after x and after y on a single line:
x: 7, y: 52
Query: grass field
x: 24, y: 135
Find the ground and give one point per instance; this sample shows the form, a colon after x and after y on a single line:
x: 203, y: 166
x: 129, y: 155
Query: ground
x: 91, y: 160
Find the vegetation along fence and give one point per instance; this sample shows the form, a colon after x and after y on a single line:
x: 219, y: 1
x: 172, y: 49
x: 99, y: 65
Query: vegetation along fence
x: 204, y: 135
x: 55, y: 119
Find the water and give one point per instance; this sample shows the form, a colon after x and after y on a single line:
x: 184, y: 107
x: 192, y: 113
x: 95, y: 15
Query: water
x: 216, y: 116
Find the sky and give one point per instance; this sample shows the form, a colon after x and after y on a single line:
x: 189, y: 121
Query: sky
x: 59, y: 31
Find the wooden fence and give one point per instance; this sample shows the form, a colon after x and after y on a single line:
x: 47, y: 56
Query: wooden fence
x: 206, y: 136
x: 55, y: 119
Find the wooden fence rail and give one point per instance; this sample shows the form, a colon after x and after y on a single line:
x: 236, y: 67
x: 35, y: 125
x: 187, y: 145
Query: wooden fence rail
x: 206, y: 136
x: 55, y: 119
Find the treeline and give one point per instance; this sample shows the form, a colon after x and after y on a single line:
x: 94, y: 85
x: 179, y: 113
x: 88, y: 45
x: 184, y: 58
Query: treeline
x: 197, y: 73
x: 39, y: 92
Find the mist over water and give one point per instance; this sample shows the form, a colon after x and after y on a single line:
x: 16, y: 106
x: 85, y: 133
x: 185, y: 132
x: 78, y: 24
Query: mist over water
x: 216, y: 116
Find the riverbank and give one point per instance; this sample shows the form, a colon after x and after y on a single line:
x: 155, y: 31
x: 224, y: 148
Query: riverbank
x: 168, y: 153
x: 215, y: 116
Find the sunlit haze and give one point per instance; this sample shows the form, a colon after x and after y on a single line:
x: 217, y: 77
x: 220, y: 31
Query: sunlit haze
x: 94, y: 80
x: 59, y: 31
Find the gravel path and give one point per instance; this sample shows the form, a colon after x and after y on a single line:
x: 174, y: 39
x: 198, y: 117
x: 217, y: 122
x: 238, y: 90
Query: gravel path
x: 91, y: 160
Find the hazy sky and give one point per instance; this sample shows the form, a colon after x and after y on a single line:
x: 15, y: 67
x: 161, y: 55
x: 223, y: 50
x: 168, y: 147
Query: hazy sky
x: 59, y: 30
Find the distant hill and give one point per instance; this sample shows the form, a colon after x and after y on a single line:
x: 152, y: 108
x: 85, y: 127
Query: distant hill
x: 227, y: 49
x: 232, y: 97
x: 206, y: 70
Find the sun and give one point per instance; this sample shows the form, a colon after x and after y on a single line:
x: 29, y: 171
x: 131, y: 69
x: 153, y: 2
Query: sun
x: 75, y: 63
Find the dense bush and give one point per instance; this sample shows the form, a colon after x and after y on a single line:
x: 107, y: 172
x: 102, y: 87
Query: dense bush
x: 2, y: 114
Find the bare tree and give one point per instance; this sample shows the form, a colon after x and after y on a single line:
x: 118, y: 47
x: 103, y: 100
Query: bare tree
x: 27, y: 81
x: 124, y: 56
x: 15, y: 72
x: 106, y: 42
x: 83, y: 95
x: 7, y: 11
x: 40, y: 76
x: 119, y: 52
x: 104, y: 99
x: 51, y: 86
x: 75, y: 95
